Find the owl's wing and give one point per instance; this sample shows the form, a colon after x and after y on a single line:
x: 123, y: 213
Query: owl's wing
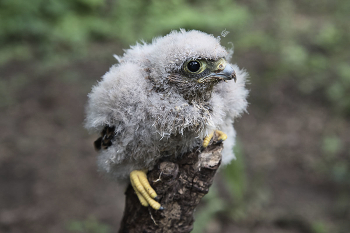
x: 106, y: 138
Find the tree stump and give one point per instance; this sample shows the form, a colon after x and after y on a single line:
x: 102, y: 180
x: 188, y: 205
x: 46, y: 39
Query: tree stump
x: 180, y: 185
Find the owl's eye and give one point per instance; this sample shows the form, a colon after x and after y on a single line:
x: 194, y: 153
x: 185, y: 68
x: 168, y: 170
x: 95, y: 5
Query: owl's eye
x: 193, y: 66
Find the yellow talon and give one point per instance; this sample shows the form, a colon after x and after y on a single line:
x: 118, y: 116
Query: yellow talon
x: 143, y: 189
x: 142, y: 200
x: 221, y: 136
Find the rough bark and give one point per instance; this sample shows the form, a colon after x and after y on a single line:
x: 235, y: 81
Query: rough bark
x: 182, y: 185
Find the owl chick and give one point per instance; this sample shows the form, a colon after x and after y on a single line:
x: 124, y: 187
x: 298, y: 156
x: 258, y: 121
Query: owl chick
x: 163, y: 99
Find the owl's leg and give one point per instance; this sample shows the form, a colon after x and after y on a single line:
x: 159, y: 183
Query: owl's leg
x: 221, y: 137
x: 143, y: 189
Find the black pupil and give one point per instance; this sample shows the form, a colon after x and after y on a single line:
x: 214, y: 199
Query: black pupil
x: 193, y: 66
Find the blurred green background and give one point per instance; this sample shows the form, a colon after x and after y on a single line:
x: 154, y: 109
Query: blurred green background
x: 292, y: 173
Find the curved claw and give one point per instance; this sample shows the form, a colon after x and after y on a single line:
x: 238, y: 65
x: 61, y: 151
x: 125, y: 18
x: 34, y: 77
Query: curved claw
x: 221, y: 135
x: 143, y: 189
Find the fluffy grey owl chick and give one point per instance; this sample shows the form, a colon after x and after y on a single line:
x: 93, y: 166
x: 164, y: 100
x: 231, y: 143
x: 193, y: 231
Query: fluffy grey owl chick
x: 162, y: 99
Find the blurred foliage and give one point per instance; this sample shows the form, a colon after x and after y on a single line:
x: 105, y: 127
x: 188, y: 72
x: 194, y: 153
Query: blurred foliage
x: 234, y: 174
x: 319, y: 227
x: 214, y: 204
x: 334, y: 166
x: 10, y: 87
x: 90, y: 225
x: 331, y: 145
x: 44, y: 27
x: 335, y: 161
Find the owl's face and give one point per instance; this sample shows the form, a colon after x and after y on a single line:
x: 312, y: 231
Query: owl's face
x: 197, y: 77
x: 206, y: 71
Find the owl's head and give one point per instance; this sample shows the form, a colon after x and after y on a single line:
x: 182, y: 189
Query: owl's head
x: 188, y: 62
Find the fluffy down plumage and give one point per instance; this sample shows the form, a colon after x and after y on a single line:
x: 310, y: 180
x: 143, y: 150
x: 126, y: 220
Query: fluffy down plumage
x: 149, y: 117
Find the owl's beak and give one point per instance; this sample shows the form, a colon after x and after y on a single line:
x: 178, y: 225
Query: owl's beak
x: 227, y: 74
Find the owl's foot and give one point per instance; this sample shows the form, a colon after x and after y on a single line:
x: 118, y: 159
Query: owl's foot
x: 221, y: 137
x: 207, y: 139
x: 143, y: 189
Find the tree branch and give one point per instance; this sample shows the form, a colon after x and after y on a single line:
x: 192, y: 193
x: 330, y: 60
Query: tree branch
x: 181, y: 186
